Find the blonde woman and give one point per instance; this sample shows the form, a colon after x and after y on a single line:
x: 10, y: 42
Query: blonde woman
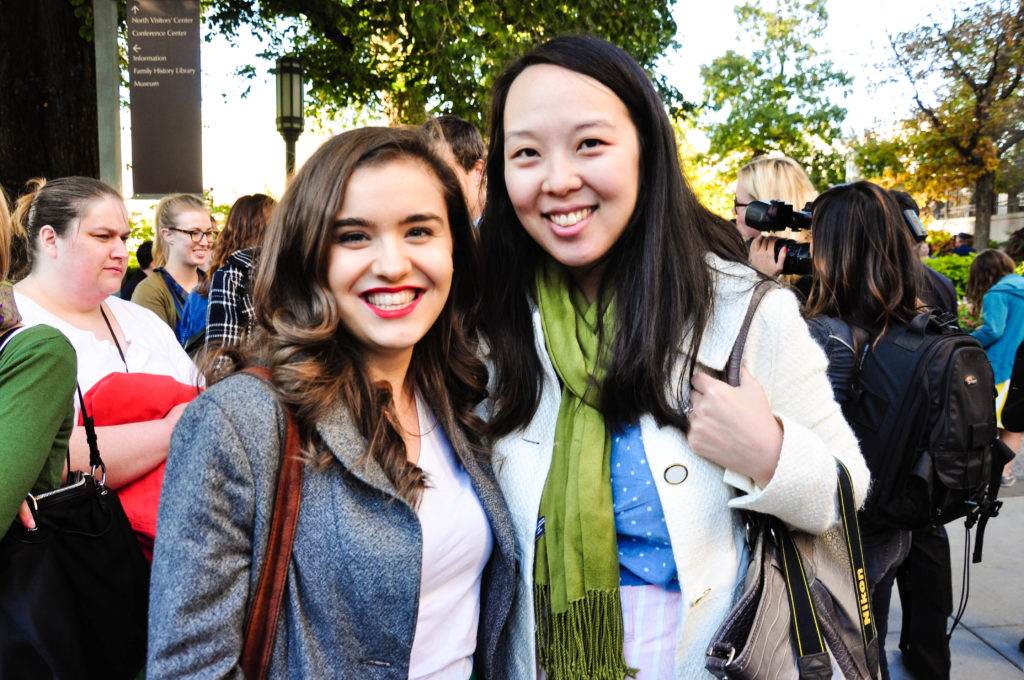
x: 768, y: 178
x: 184, y: 236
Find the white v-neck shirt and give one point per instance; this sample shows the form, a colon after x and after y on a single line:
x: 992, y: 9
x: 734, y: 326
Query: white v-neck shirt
x: 150, y: 348
x: 457, y: 543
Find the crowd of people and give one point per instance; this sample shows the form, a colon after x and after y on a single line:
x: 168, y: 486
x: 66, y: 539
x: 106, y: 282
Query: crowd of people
x: 502, y: 368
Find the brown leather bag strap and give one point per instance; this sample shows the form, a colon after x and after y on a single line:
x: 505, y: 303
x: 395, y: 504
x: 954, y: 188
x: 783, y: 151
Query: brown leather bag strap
x: 732, y: 368
x: 261, y: 624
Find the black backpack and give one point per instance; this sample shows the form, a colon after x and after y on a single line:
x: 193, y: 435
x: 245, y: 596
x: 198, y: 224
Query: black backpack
x: 923, y: 409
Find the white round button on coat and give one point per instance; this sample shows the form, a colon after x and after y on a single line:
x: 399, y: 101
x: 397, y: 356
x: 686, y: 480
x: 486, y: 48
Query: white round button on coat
x: 676, y: 474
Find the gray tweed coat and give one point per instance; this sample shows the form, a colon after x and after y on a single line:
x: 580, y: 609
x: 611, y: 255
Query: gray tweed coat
x: 353, y: 584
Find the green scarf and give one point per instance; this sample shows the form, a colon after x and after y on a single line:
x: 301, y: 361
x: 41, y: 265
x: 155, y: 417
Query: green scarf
x: 576, y: 570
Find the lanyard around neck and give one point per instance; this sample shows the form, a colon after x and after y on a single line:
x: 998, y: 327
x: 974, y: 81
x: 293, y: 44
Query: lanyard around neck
x: 113, y: 336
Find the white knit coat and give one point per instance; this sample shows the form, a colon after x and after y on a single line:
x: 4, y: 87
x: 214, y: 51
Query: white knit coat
x: 707, y: 537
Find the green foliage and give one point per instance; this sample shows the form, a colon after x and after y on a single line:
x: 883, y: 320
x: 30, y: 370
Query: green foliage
x: 1014, y: 246
x: 942, y: 243
x: 975, y: 117
x: 219, y: 211
x: 712, y: 184
x: 143, y: 229
x: 83, y: 13
x: 966, y: 317
x: 414, y: 58
x: 776, y: 99
x: 955, y: 267
x: 910, y: 159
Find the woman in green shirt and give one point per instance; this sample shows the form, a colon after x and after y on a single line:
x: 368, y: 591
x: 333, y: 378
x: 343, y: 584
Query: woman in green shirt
x: 37, y: 379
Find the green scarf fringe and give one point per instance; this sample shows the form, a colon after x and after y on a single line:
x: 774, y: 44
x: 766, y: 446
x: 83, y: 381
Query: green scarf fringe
x: 585, y: 642
x: 576, y: 568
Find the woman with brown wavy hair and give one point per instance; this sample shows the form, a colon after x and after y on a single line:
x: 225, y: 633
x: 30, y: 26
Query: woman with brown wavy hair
x: 403, y: 556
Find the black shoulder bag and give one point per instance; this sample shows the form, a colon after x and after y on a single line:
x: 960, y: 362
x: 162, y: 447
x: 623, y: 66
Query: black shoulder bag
x: 74, y: 591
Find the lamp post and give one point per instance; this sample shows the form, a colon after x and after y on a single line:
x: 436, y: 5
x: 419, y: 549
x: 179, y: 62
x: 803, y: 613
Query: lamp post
x: 289, y: 107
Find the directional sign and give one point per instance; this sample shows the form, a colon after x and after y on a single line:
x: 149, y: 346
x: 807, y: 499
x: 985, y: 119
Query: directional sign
x: 163, y: 78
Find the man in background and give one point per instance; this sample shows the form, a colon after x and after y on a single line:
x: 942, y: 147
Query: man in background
x: 964, y: 244
x: 464, y: 151
x: 937, y: 290
x: 144, y: 255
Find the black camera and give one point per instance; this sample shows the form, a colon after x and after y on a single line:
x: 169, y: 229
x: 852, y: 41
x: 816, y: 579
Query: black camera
x: 779, y: 215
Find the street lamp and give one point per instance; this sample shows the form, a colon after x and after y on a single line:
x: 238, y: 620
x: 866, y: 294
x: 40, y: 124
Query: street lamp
x: 289, y: 107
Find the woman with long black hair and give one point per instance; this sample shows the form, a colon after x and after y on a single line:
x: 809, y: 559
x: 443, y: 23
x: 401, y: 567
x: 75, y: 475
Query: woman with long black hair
x: 613, y: 299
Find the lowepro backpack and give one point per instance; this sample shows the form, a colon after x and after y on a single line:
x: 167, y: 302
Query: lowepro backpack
x: 923, y: 409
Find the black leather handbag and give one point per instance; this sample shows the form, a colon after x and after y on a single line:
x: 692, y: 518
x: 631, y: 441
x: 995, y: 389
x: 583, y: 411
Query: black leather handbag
x: 73, y: 591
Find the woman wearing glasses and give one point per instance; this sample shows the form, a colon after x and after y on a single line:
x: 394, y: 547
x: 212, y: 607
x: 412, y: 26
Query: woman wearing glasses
x: 769, y: 179
x: 225, y: 299
x: 128, y: 360
x: 184, y: 235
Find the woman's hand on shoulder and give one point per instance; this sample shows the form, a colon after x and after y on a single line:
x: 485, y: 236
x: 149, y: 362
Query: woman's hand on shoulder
x: 734, y: 426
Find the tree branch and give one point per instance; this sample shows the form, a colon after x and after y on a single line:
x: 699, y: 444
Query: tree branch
x: 951, y: 55
x: 1011, y: 141
x: 1011, y: 88
x: 939, y: 124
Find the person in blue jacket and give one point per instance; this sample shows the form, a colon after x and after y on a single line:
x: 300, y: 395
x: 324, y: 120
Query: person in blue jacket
x: 995, y: 289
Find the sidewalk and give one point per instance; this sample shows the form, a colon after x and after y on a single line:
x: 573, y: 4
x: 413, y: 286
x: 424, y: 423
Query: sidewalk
x: 984, y: 645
